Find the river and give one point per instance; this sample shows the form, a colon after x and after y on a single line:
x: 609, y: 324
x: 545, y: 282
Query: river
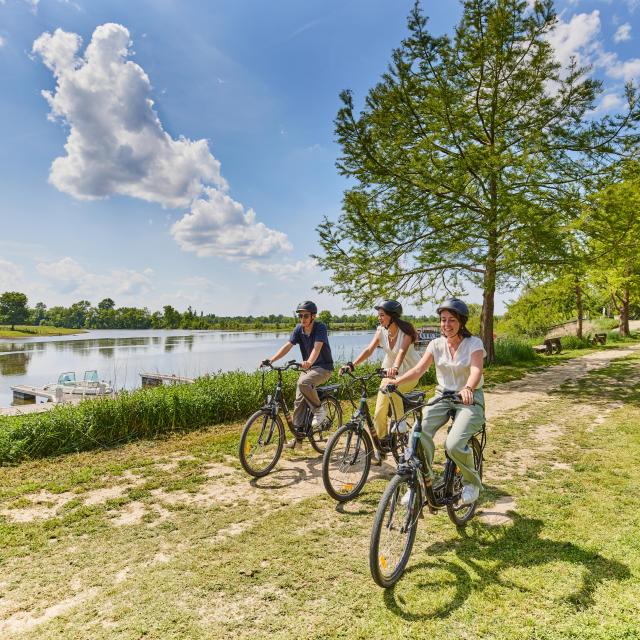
x: 120, y: 356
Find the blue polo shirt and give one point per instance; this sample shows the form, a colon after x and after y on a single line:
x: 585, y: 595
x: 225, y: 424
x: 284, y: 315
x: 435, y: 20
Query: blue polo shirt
x: 306, y: 342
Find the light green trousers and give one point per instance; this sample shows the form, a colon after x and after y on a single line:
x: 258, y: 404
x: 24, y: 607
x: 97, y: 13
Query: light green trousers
x: 468, y: 421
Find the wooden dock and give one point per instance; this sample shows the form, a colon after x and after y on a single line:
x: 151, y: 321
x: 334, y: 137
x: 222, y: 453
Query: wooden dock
x: 25, y: 392
x: 157, y: 379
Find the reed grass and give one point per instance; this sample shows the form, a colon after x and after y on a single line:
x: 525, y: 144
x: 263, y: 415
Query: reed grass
x: 144, y: 413
x: 510, y: 350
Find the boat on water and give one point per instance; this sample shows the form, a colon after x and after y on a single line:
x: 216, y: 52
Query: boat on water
x: 425, y: 336
x: 90, y: 385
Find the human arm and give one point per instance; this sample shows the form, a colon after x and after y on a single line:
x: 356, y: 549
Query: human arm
x: 475, y: 373
x: 415, y: 373
x: 365, y: 354
x: 402, y: 352
x: 313, y: 356
x: 282, y: 351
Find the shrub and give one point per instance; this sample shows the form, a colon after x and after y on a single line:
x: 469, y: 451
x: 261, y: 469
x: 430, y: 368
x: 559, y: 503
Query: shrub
x: 510, y: 350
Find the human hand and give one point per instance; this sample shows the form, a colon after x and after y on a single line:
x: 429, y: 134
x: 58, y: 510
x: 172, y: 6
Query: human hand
x: 265, y: 363
x: 467, y: 395
x: 392, y: 372
x: 305, y: 365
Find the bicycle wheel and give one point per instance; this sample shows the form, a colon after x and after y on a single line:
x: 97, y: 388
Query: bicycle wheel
x: 261, y: 443
x: 346, y: 462
x: 319, y: 436
x: 461, y: 514
x: 394, y: 530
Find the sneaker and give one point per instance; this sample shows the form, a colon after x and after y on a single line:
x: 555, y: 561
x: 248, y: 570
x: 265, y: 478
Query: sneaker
x: 404, y: 501
x: 377, y: 457
x: 470, y: 494
x: 291, y: 444
x: 319, y: 415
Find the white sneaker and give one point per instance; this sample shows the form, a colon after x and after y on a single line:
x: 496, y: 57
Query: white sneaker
x: 404, y: 501
x: 319, y: 415
x: 470, y: 494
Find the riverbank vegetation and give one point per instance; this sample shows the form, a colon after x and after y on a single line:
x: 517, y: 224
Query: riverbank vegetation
x: 222, y: 398
x: 30, y: 331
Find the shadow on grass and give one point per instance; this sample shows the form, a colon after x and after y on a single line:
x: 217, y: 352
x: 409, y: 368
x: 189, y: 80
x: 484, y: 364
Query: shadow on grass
x: 615, y: 383
x: 481, y: 557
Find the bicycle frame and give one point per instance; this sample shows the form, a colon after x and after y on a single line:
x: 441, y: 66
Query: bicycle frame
x: 276, y: 403
x: 362, y: 410
x: 415, y: 464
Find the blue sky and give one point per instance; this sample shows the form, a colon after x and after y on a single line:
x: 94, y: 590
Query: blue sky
x: 183, y: 151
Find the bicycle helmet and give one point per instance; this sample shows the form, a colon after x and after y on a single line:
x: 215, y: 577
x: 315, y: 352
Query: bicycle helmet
x: 390, y: 307
x: 307, y: 305
x: 457, y: 306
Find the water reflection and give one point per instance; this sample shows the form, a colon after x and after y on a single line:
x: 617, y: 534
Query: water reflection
x: 120, y: 356
x: 14, y: 364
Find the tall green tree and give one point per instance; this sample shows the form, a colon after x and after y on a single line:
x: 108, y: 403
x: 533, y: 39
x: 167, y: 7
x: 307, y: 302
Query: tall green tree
x: 13, y: 308
x: 466, y: 157
x: 611, y: 224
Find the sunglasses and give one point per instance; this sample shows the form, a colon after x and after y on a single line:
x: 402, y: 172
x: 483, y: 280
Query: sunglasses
x: 304, y: 315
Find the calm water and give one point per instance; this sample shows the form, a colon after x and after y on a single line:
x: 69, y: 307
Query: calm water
x: 120, y: 356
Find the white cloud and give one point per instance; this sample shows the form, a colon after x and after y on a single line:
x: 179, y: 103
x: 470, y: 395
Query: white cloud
x: 3, y: 42
x: 623, y: 32
x: 283, y: 270
x: 116, y: 142
x: 575, y: 38
x: 10, y: 276
x: 632, y: 4
x: 70, y: 277
x: 217, y: 225
x: 609, y: 102
x: 628, y: 69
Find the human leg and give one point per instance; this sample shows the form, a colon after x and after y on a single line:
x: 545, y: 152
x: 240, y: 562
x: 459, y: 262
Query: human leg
x: 434, y: 417
x: 306, y: 392
x: 468, y: 421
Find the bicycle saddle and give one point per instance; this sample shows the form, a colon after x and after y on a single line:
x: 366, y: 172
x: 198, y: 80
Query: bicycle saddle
x: 327, y: 389
x: 414, y: 398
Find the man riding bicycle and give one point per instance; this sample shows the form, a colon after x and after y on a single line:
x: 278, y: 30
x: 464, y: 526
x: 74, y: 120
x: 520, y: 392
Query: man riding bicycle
x: 317, y: 365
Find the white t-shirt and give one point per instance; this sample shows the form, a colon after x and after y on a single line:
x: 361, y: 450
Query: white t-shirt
x: 452, y: 373
x: 411, y: 357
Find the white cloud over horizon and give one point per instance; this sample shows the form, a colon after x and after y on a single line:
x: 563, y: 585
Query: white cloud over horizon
x: 10, y: 275
x: 219, y: 226
x: 284, y: 270
x: 116, y: 143
x: 67, y: 276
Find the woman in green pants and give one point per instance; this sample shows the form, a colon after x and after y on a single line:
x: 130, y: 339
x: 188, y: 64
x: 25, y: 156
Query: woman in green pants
x: 458, y: 358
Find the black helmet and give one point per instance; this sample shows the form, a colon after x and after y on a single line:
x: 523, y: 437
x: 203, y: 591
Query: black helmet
x: 307, y: 305
x: 390, y: 307
x: 455, y: 305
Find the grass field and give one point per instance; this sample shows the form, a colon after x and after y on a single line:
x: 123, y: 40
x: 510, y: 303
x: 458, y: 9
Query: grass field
x: 33, y: 331
x: 168, y: 539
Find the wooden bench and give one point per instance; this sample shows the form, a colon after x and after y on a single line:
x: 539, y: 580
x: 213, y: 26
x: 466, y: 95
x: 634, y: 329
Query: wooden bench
x: 599, y: 338
x: 550, y: 346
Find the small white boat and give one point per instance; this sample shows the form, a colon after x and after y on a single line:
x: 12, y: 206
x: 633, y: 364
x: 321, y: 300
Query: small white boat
x: 90, y: 385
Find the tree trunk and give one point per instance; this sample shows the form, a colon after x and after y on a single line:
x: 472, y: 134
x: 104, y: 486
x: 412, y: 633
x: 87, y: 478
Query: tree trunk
x: 488, y: 303
x: 624, y: 313
x: 580, y: 309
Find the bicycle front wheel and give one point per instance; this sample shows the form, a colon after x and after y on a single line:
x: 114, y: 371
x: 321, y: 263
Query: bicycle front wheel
x: 460, y: 514
x: 261, y: 443
x: 319, y: 436
x: 346, y: 463
x: 394, y: 530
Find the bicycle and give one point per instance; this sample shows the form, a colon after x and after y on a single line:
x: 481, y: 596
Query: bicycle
x: 396, y: 520
x: 347, y: 459
x: 263, y: 435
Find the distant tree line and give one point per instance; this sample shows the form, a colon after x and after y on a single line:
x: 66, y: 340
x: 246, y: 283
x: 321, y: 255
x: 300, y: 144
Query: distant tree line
x: 14, y: 310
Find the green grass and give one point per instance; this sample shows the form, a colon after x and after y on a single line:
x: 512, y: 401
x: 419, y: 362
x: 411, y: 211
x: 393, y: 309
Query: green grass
x: 567, y: 567
x: 26, y: 331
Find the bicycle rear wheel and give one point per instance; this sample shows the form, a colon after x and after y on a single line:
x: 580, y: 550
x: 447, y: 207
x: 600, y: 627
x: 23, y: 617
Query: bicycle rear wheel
x: 261, y: 443
x: 346, y: 462
x: 319, y: 436
x: 394, y: 530
x: 461, y: 514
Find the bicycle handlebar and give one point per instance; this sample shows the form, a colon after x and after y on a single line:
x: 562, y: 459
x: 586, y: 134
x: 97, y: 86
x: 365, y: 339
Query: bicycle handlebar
x: 378, y: 372
x: 292, y: 364
x: 446, y: 395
